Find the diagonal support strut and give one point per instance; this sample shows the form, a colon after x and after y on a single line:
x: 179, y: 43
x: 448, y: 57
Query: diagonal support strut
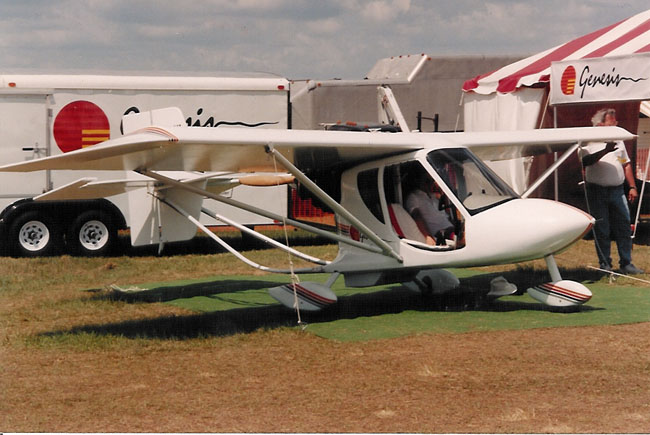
x: 323, y: 196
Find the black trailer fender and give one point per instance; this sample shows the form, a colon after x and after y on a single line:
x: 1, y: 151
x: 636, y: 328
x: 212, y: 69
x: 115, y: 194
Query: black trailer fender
x: 84, y: 227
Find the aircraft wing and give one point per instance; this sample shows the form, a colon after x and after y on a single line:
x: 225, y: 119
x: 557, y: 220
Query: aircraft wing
x: 244, y: 150
x: 503, y: 145
x: 225, y: 149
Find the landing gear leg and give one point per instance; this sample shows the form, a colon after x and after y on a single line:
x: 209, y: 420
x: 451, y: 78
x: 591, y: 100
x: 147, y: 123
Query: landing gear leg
x: 552, y: 268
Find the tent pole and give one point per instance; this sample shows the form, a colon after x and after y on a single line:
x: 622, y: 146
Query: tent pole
x: 555, y: 176
x: 460, y: 107
x: 638, y: 210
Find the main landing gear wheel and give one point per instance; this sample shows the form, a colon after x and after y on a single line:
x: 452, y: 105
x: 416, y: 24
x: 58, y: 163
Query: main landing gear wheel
x: 32, y: 235
x: 92, y: 234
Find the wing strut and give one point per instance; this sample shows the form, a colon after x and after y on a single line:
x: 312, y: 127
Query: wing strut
x: 551, y: 169
x: 330, y: 202
x: 256, y: 210
x: 263, y: 238
x: 229, y: 248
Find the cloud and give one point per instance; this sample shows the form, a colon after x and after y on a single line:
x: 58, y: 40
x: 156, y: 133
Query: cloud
x: 382, y: 11
x: 379, y: 11
x: 294, y: 38
x: 326, y: 26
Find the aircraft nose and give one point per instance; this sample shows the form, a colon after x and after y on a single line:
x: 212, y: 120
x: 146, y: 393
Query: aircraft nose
x: 561, y: 223
x: 524, y: 229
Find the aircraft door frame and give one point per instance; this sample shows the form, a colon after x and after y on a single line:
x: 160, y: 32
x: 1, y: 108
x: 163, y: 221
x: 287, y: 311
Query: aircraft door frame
x: 462, y: 215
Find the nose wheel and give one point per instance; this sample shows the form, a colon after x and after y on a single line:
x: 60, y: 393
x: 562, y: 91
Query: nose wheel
x: 559, y: 293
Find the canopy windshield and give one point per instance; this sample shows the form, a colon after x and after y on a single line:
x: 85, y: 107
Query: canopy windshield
x: 473, y: 183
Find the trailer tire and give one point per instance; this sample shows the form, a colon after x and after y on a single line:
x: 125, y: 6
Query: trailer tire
x: 33, y: 235
x: 92, y: 234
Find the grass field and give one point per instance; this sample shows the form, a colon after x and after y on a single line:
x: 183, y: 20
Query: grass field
x: 206, y: 349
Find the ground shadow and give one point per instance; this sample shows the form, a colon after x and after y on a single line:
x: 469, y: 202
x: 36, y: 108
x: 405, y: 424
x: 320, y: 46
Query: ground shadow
x: 170, y: 293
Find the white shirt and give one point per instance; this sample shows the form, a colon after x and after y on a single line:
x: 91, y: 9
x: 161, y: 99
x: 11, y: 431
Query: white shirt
x: 608, y: 171
x: 434, y: 219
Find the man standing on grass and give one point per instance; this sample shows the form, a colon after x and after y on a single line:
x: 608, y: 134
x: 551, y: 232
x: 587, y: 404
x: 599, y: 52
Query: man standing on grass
x: 607, y: 167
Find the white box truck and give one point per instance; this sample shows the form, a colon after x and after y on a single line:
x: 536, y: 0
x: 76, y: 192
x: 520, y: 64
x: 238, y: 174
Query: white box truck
x: 43, y: 115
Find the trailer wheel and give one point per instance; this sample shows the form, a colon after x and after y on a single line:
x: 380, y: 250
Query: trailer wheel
x: 92, y: 234
x: 33, y: 235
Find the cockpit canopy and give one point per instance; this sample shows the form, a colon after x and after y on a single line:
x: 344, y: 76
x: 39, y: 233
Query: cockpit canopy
x: 427, y: 196
x: 475, y: 185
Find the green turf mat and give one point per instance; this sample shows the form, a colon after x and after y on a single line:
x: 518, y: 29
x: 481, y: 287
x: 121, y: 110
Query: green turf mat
x: 391, y: 310
x: 609, y: 306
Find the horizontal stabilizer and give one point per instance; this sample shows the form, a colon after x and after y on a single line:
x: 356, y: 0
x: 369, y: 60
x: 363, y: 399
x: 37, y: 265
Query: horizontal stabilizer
x: 67, y: 192
x: 311, y: 296
x: 89, y: 188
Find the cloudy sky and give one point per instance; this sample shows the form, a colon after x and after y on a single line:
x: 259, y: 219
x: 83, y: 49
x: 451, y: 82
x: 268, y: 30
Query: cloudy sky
x: 317, y: 39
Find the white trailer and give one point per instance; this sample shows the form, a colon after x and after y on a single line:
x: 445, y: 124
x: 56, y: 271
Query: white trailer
x: 43, y: 115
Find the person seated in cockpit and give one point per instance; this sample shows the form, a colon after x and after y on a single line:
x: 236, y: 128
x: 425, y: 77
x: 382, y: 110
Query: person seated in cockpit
x: 423, y: 204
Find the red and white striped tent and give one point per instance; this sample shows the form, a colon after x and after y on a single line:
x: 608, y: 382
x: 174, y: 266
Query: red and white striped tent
x: 516, y: 95
x: 626, y: 37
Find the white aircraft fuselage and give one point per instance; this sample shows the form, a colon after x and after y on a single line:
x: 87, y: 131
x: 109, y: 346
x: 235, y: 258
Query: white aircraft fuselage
x: 496, y: 225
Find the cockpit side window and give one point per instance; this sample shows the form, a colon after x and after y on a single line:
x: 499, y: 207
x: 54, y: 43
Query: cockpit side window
x: 419, y: 210
x: 367, y: 182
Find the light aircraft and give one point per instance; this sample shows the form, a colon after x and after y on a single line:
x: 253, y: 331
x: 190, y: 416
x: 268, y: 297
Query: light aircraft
x: 364, y: 177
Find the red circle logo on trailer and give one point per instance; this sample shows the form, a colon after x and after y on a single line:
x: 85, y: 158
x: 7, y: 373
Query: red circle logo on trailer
x: 80, y: 124
x: 568, y: 82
